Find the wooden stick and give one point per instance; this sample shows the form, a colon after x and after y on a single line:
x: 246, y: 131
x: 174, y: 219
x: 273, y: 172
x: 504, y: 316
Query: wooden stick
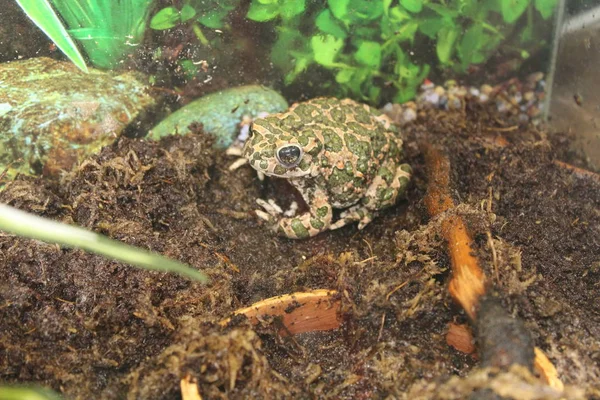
x: 317, y: 310
x: 578, y: 172
x: 468, y: 279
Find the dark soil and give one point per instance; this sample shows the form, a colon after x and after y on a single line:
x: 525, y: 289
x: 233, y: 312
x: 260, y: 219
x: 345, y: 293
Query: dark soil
x: 92, y: 328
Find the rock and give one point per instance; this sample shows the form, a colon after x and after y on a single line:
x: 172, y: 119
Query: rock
x: 52, y: 115
x: 220, y: 113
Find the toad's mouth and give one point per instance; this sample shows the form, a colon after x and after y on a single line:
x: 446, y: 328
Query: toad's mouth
x: 278, y: 171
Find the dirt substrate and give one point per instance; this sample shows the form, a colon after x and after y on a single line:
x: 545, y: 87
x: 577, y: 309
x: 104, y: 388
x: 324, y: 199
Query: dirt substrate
x: 92, y: 328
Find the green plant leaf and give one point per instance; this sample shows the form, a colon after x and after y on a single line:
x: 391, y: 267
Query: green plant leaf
x: 31, y: 226
x: 166, y: 18
x: 513, y: 9
x: 369, y: 54
x: 189, y: 68
x: 302, y: 62
x: 119, y: 26
x: 344, y: 76
x: 187, y: 12
x: 431, y: 26
x: 43, y: 15
x: 407, y: 93
x: 545, y: 7
x: 398, y: 14
x: 408, y: 31
x: 326, y: 48
x: 445, y: 43
x: 414, y: 6
x: 470, y: 44
x: 339, y: 8
x: 289, y: 47
x: 291, y: 8
x: 407, y: 70
x: 328, y: 24
x: 365, y: 10
x: 263, y: 12
x: 213, y: 19
x: 26, y: 392
x: 374, y: 92
x: 386, y: 6
x: 359, y: 78
x: 442, y: 10
x: 527, y: 33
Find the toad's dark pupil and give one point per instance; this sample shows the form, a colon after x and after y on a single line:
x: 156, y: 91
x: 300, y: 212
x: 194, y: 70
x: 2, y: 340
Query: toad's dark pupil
x: 289, y: 156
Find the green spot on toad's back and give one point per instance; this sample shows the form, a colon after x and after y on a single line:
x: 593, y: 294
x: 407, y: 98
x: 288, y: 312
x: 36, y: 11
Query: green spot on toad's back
x: 299, y: 229
x: 322, y: 212
x: 221, y: 112
x: 332, y: 141
x: 338, y: 115
x: 316, y: 223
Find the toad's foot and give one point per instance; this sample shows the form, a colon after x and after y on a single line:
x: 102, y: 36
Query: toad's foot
x: 236, y: 151
x: 353, y: 214
x: 272, y: 211
x: 308, y: 224
x: 382, y: 193
x: 238, y: 163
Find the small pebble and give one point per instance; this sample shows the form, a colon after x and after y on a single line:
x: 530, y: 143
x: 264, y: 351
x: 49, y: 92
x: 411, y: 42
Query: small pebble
x: 409, y: 115
x: 427, y: 85
x: 486, y: 89
x: 519, y: 101
x: 501, y: 105
x: 431, y: 97
x: 529, y: 96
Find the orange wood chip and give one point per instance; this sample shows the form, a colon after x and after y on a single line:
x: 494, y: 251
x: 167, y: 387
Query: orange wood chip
x: 316, y: 310
x: 547, y: 370
x: 189, y: 389
x: 460, y: 337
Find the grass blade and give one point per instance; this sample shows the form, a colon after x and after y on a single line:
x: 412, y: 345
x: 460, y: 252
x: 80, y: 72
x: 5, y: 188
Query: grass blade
x: 27, y: 393
x: 31, y: 226
x: 42, y: 14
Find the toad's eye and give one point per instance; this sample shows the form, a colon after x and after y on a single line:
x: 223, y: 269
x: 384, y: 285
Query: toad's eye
x: 289, y: 156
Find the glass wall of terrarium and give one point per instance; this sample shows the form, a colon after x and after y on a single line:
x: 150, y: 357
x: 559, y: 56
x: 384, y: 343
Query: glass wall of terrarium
x: 346, y: 199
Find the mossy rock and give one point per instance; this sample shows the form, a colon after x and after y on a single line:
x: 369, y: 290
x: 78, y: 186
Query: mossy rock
x: 221, y: 112
x: 52, y: 115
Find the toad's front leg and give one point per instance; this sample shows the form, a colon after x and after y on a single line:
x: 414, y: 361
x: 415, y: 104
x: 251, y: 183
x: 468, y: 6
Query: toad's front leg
x: 316, y: 220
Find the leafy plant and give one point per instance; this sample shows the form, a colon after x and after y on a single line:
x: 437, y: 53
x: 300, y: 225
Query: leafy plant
x: 211, y: 14
x: 107, y: 29
x: 42, y: 14
x: 31, y: 226
x: 376, y: 47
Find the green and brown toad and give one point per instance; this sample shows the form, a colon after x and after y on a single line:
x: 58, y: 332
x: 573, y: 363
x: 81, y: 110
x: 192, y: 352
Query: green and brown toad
x: 338, y: 154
